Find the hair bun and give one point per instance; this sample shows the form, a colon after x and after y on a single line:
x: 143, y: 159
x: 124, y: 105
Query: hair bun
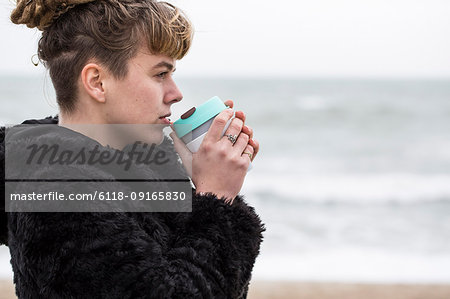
x: 41, y: 13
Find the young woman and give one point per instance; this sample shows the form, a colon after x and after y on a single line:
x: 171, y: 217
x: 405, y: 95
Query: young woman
x: 111, y: 62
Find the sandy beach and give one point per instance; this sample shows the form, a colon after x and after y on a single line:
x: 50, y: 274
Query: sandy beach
x: 285, y: 290
x: 299, y: 290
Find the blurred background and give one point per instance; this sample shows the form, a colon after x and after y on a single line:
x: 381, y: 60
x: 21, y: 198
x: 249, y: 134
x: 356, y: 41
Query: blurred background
x: 350, y: 101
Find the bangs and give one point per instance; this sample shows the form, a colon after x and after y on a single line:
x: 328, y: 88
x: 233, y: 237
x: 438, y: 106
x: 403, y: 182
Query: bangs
x: 168, y: 31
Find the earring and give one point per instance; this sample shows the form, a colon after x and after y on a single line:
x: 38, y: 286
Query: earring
x: 35, y: 59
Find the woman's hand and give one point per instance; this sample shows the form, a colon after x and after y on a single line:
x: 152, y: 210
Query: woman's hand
x: 246, y: 129
x: 219, y: 166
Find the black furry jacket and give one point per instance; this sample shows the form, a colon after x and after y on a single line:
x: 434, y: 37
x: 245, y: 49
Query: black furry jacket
x: 206, y: 253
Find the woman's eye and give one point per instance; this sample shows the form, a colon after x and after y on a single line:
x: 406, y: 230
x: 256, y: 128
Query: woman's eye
x: 162, y: 75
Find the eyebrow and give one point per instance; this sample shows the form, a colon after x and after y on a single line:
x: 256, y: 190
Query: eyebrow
x: 164, y: 64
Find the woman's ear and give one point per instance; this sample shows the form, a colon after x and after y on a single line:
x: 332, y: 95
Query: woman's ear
x: 92, y: 81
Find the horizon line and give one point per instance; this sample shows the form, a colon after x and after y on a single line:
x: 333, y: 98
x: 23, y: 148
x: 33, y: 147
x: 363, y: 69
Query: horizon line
x: 267, y: 77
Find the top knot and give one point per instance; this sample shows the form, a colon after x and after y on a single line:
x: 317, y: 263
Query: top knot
x: 41, y: 13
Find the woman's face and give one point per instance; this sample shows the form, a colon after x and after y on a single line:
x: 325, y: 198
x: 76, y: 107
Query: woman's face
x: 146, y: 94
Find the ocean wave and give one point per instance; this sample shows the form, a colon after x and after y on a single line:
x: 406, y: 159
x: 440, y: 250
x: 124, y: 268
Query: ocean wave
x: 354, y: 265
x: 311, y: 102
x: 359, y: 188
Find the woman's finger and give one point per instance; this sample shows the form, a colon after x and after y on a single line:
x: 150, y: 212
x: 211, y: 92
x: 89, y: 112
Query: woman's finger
x: 248, y: 153
x: 255, y: 145
x: 229, y: 103
x: 240, y: 115
x: 247, y: 130
x: 241, y: 143
x: 233, y: 131
x: 218, y: 125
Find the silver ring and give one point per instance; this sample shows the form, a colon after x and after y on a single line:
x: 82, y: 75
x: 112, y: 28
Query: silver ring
x: 232, y: 138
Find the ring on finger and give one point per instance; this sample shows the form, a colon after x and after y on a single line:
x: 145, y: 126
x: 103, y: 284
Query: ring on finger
x: 232, y: 138
x: 249, y: 154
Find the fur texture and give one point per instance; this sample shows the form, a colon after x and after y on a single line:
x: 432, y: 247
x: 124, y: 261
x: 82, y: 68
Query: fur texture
x: 208, y: 253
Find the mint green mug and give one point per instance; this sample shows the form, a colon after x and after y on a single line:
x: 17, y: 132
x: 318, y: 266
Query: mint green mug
x: 193, y: 125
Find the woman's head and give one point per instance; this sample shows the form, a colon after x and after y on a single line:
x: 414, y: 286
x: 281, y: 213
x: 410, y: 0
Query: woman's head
x: 107, y: 32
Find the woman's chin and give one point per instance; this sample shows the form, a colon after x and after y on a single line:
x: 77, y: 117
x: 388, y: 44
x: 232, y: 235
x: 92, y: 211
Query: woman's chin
x: 150, y: 134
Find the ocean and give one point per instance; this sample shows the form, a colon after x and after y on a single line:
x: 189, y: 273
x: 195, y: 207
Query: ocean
x: 352, y: 179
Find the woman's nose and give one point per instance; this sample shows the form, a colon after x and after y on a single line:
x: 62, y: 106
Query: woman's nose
x: 174, y: 95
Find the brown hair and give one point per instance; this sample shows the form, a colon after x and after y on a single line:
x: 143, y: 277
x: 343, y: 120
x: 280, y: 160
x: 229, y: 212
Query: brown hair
x: 108, y: 31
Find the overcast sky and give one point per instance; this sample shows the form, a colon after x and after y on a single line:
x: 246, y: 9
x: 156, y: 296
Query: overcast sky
x: 319, y: 38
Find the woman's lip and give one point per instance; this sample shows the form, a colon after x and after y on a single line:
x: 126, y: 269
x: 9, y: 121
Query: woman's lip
x: 165, y: 120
